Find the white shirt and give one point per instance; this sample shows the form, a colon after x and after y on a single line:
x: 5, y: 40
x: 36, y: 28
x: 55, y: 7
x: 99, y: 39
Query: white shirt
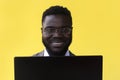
x: 46, y: 53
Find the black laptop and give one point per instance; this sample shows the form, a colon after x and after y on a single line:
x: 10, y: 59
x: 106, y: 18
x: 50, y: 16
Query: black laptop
x: 58, y: 68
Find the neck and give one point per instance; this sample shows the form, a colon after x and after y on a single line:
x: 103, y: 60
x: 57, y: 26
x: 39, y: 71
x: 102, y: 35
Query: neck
x: 52, y: 53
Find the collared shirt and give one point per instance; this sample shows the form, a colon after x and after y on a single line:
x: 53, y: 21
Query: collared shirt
x: 46, y: 53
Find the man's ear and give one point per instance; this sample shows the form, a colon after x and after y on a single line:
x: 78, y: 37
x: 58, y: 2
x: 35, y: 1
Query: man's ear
x: 41, y: 30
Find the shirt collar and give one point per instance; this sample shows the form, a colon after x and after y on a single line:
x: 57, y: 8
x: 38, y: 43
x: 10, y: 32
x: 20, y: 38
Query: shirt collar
x: 46, y: 53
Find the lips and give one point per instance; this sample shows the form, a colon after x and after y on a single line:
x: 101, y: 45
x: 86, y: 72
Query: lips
x: 57, y: 44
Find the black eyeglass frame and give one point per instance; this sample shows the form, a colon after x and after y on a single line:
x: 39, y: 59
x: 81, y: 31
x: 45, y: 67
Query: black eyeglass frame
x: 63, y: 30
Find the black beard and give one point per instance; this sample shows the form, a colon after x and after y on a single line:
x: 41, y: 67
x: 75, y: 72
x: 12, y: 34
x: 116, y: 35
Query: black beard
x: 54, y: 53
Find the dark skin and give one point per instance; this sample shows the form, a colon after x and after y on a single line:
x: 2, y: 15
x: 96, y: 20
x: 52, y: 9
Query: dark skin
x: 57, y: 43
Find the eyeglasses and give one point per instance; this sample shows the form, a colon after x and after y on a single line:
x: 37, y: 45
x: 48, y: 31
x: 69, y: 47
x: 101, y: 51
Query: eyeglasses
x: 64, y: 30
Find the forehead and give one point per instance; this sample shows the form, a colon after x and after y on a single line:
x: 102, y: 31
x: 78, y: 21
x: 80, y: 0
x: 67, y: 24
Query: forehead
x: 56, y: 21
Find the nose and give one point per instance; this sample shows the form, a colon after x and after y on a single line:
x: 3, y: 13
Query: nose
x: 57, y: 34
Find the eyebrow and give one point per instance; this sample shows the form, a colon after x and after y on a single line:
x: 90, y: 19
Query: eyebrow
x: 55, y: 27
x: 50, y: 26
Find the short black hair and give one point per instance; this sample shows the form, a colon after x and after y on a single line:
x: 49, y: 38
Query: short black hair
x: 57, y: 10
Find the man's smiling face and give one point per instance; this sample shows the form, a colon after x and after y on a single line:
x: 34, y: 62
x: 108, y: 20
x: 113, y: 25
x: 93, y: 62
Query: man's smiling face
x: 57, y: 33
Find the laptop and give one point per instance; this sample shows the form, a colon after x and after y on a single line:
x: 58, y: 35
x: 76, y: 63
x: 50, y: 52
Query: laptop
x: 58, y: 68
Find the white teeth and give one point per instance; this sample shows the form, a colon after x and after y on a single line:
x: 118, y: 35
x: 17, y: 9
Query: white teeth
x: 57, y: 43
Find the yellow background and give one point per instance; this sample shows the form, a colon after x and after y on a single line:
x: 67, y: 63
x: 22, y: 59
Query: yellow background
x: 96, y: 31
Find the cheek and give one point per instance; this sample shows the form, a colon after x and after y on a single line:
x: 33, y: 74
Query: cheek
x: 45, y: 36
x: 68, y: 36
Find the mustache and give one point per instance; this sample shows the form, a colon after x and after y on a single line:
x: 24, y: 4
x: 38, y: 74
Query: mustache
x: 57, y: 40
